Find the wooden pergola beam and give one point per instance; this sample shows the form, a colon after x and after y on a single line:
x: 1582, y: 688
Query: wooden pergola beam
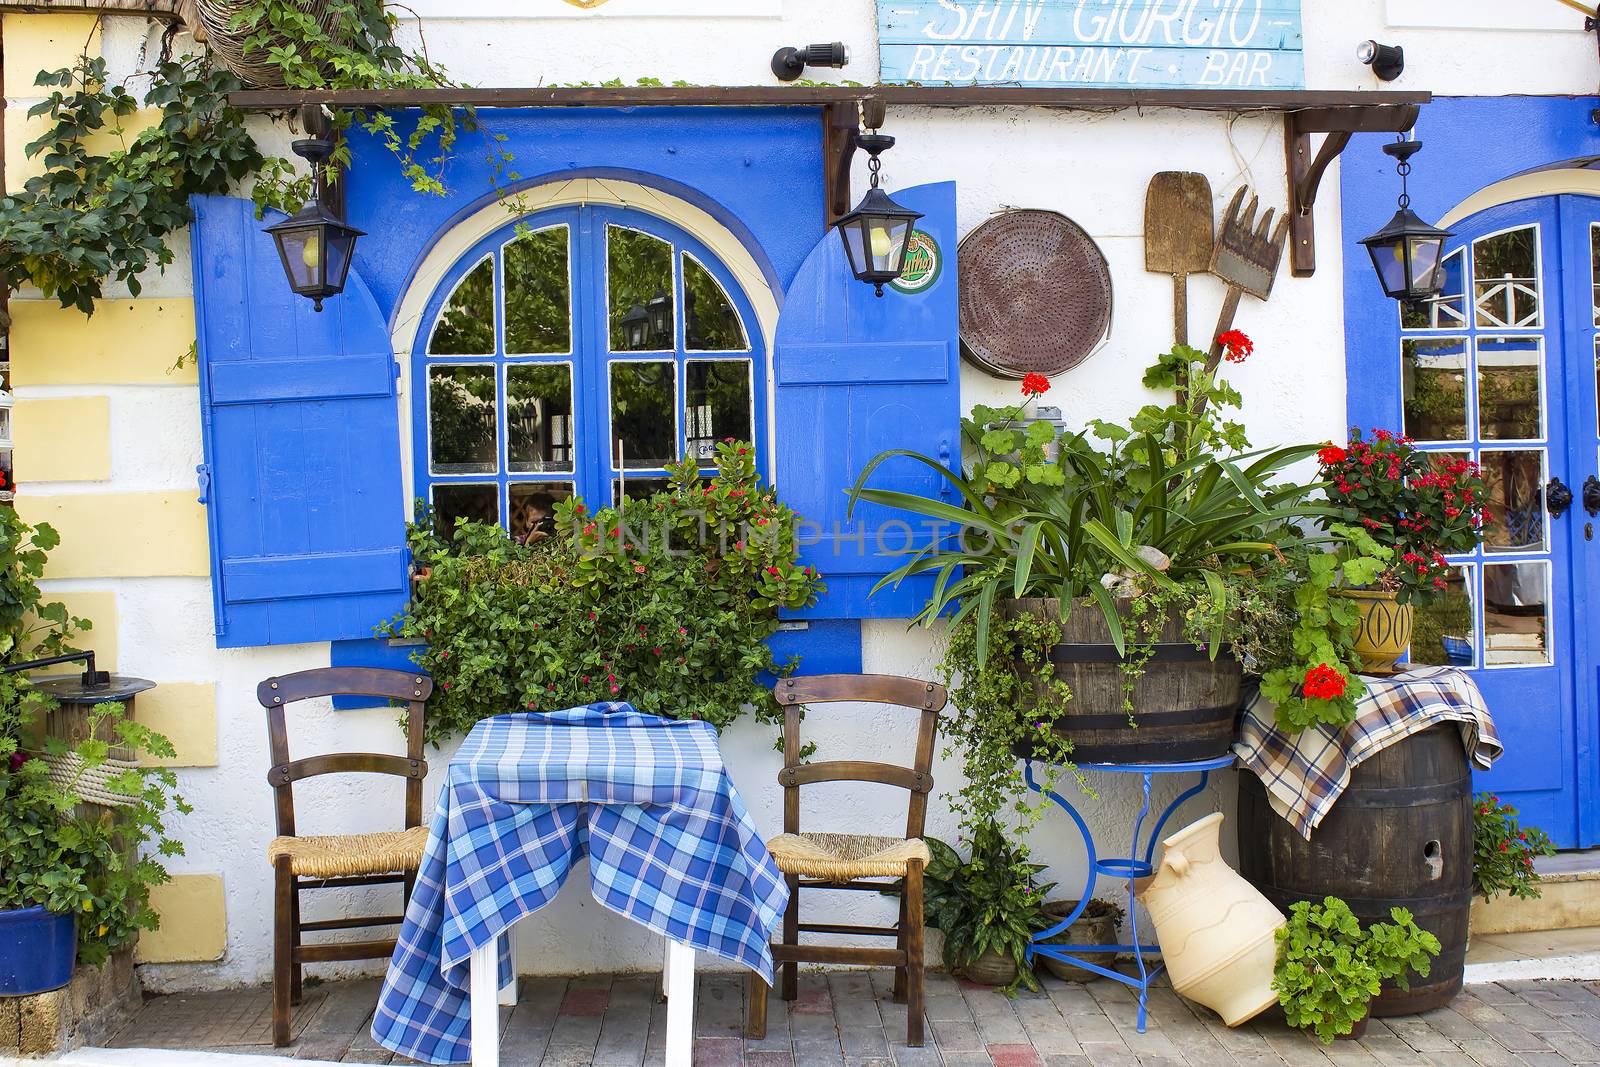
x: 1231, y: 100
x: 1338, y: 114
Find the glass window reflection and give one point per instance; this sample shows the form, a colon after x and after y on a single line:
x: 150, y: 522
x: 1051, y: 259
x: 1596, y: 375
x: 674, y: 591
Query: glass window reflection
x: 538, y: 293
x: 1514, y: 480
x: 639, y: 291
x: 466, y: 324
x: 716, y: 399
x: 462, y: 410
x: 1433, y: 373
x: 644, y: 424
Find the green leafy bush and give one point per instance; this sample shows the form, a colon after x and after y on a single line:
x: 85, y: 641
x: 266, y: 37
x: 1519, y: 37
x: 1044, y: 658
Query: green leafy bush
x: 70, y: 857
x: 1503, y: 850
x: 90, y: 218
x: 85, y: 860
x: 1329, y: 968
x: 666, y: 603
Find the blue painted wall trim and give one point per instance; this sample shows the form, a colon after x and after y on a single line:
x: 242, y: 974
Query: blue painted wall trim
x: 758, y: 171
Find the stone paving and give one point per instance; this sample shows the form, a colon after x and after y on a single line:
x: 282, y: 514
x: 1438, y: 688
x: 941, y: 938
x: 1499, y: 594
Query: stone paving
x: 848, y: 1019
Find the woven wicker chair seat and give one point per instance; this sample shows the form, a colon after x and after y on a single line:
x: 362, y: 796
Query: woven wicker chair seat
x: 350, y: 855
x: 839, y: 857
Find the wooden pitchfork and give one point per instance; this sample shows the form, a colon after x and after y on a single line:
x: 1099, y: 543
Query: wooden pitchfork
x: 1246, y: 256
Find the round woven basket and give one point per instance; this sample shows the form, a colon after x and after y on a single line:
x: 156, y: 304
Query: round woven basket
x: 216, y: 17
x: 1035, y: 294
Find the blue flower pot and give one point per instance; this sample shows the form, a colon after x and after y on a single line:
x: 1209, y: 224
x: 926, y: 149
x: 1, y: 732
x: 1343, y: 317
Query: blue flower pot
x: 37, y: 951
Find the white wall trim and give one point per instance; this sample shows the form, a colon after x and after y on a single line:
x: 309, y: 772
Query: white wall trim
x: 1572, y: 181
x: 455, y: 242
x: 1540, y: 17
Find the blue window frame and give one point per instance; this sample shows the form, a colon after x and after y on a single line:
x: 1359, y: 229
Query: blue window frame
x: 580, y: 350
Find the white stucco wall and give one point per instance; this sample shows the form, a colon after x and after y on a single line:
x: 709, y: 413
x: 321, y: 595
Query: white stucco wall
x: 1092, y: 167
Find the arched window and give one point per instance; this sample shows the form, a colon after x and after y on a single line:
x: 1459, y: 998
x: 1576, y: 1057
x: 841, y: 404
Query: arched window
x: 579, y: 350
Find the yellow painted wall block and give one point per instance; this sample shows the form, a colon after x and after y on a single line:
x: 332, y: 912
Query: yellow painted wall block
x: 45, y: 42
x: 99, y: 606
x: 122, y: 535
x: 21, y: 131
x: 128, y: 342
x: 186, y: 712
x: 63, y: 439
x: 194, y: 921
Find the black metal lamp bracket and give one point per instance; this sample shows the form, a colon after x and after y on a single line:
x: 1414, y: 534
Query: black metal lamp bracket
x: 91, y: 677
x: 1306, y: 170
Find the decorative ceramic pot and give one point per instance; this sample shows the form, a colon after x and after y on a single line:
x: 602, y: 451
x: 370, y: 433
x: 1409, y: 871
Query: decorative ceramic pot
x: 1215, y: 929
x: 37, y: 951
x: 1096, y: 926
x: 1385, y: 630
x: 991, y: 968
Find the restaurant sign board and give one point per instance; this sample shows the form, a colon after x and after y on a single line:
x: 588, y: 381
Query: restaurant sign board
x: 1151, y: 44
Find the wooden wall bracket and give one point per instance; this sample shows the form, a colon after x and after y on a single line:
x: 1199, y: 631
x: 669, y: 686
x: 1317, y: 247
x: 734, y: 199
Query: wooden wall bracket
x: 840, y: 123
x: 1305, y: 170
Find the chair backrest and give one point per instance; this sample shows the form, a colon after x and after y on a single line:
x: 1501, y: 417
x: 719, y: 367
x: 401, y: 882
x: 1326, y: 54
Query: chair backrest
x: 925, y: 697
x: 275, y: 693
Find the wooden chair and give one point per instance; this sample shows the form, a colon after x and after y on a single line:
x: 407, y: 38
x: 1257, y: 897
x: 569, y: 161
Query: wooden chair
x: 332, y: 862
x: 853, y: 861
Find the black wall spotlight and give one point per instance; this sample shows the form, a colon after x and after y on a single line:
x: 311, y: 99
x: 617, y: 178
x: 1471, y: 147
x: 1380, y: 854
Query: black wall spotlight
x: 789, y: 63
x: 1387, y: 61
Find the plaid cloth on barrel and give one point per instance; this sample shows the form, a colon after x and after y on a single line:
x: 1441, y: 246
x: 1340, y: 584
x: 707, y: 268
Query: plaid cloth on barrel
x: 670, y: 846
x: 1305, y: 773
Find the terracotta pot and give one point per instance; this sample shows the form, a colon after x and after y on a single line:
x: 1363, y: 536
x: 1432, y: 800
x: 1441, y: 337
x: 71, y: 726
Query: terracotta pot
x: 1215, y: 929
x: 991, y: 968
x: 1385, y: 631
x: 1096, y: 926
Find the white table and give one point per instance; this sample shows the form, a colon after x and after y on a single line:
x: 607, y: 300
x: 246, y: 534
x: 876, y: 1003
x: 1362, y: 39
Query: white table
x: 488, y: 996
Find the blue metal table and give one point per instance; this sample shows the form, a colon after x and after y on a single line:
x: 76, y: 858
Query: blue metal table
x: 1138, y: 864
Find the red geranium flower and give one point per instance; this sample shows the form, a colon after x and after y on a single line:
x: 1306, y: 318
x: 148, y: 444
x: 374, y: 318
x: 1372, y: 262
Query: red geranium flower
x: 1236, y: 347
x: 1330, y: 455
x: 1324, y: 683
x: 1034, y: 383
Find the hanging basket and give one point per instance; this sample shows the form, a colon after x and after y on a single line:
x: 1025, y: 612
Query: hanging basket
x: 92, y: 784
x: 216, y: 19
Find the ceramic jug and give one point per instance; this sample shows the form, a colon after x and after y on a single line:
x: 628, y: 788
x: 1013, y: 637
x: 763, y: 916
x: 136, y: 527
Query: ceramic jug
x: 1215, y: 929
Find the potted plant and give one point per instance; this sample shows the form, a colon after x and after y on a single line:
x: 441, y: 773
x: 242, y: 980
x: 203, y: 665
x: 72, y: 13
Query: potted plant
x: 73, y: 884
x: 988, y: 907
x: 1419, y: 505
x: 666, y: 603
x: 1329, y: 968
x: 1086, y: 575
x: 1098, y: 925
x: 1503, y: 850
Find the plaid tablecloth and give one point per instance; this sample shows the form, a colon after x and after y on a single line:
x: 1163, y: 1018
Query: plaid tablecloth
x: 1305, y: 773
x: 670, y: 846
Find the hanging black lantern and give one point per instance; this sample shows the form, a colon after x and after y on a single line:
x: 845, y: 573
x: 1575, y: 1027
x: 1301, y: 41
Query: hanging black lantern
x: 660, y: 311
x: 878, y: 232
x: 315, y: 244
x: 635, y: 325
x: 1407, y: 253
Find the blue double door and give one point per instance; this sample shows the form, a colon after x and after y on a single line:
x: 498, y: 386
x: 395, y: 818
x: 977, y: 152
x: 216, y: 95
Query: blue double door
x: 1502, y: 368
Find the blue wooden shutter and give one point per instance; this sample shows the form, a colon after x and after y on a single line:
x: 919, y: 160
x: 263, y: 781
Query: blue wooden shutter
x: 302, y: 444
x: 857, y: 375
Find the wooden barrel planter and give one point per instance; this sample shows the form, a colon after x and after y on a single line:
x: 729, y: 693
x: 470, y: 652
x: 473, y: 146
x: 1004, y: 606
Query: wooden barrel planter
x: 1399, y: 836
x: 1185, y: 703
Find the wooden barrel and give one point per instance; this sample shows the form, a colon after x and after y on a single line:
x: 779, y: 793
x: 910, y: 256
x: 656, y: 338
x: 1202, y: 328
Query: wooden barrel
x: 1185, y: 704
x: 1399, y: 836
